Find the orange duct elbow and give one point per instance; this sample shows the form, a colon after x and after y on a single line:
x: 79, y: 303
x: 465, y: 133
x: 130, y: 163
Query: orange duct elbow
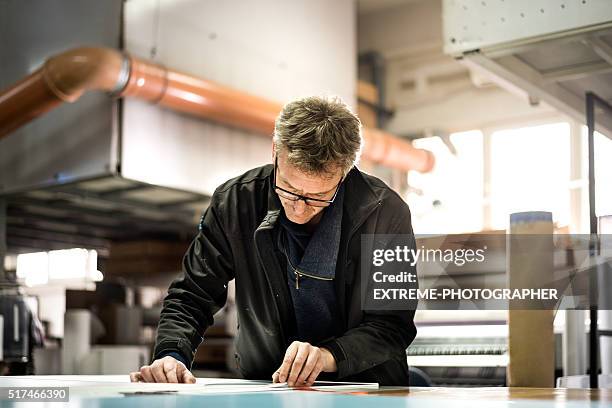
x: 65, y: 77
x: 70, y: 74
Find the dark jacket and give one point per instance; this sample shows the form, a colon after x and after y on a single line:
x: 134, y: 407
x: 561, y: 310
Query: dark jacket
x: 236, y: 240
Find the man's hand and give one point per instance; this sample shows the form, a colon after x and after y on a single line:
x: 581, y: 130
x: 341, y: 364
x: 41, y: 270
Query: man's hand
x: 164, y: 370
x: 303, y: 363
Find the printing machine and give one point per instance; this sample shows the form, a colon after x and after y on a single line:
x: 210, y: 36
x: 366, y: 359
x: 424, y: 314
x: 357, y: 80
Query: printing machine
x: 465, y: 355
x: 469, y: 352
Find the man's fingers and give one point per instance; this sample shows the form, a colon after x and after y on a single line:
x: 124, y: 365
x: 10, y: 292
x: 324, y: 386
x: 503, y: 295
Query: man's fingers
x: 145, y: 372
x: 157, y: 369
x: 170, y: 367
x: 313, y: 358
x: 186, y: 376
x: 164, y: 370
x: 136, y: 377
x: 283, y: 371
x: 314, y: 374
x: 298, y: 363
x: 275, y: 377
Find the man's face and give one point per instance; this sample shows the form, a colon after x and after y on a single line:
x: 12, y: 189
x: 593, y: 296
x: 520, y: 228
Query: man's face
x: 320, y: 187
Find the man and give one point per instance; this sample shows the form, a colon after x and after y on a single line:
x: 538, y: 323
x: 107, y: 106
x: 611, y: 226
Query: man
x: 290, y: 236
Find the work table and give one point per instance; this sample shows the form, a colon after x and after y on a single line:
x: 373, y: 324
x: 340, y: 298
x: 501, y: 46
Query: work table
x: 116, y: 391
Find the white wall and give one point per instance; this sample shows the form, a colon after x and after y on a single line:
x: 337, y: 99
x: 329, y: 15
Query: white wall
x: 274, y: 49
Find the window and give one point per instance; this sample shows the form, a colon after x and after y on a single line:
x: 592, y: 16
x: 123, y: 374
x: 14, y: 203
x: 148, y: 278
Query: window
x: 530, y: 170
x: 603, y: 174
x: 40, y: 268
x: 449, y: 199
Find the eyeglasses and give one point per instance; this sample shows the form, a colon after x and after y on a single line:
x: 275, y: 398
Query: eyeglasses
x: 314, y: 202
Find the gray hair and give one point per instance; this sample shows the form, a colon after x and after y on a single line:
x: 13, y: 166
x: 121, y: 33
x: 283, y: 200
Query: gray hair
x: 319, y: 135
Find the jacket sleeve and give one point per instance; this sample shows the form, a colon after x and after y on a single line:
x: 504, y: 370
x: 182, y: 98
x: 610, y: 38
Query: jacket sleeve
x: 199, y: 292
x: 381, y: 335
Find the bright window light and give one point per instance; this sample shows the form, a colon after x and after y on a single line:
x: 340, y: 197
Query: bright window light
x: 33, y: 268
x: 603, y: 175
x: 70, y: 264
x: 530, y: 171
x: 449, y: 199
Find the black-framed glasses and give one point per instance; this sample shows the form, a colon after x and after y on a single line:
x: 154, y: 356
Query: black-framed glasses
x: 314, y: 202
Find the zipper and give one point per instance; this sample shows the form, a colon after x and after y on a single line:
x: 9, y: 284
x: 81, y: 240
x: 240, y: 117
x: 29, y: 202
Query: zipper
x: 299, y: 273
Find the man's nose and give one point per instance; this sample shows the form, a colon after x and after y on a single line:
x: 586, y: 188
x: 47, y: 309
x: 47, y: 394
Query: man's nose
x: 299, y: 207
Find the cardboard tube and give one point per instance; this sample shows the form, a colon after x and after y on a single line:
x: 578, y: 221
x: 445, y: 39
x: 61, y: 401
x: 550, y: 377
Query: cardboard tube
x: 531, y: 341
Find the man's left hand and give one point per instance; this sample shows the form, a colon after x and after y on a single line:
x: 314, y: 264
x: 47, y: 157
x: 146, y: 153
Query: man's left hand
x: 303, y: 363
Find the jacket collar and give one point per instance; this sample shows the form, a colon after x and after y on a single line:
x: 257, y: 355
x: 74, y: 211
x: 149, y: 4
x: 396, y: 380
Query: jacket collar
x: 360, y: 198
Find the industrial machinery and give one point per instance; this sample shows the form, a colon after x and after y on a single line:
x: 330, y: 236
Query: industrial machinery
x: 463, y: 355
x: 19, y: 331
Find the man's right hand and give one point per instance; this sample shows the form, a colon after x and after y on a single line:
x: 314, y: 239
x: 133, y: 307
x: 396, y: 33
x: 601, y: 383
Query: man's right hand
x: 164, y: 370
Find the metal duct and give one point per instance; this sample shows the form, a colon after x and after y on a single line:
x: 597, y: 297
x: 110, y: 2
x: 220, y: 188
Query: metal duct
x: 66, y: 76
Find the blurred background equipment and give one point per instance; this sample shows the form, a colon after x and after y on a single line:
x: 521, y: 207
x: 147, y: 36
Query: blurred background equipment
x: 20, y: 330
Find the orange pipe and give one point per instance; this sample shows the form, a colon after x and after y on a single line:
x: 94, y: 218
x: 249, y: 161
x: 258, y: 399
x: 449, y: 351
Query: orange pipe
x: 65, y: 77
x: 25, y: 101
x: 384, y: 148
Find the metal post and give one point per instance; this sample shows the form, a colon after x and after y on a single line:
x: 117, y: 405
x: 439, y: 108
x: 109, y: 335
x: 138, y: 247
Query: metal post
x: 574, y: 340
x: 3, y: 221
x: 593, y: 335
